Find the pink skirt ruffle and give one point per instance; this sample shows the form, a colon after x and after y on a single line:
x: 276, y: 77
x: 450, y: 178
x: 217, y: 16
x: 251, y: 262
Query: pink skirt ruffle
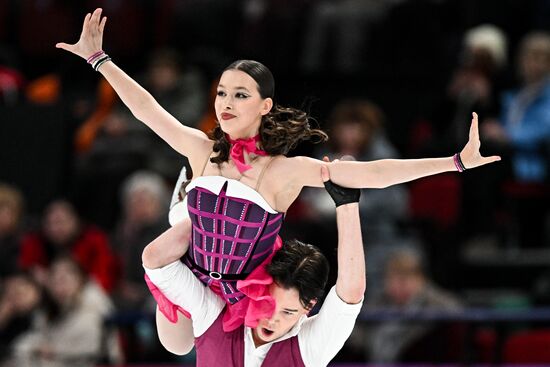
x: 257, y: 304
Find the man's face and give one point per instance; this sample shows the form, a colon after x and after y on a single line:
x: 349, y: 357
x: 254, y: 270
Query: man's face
x: 288, y: 311
x: 534, y: 62
x: 402, y: 288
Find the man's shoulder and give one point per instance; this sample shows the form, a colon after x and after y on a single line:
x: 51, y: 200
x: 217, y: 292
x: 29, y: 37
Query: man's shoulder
x: 333, y: 306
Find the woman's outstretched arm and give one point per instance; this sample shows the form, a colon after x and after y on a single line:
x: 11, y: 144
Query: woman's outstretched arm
x: 190, y: 142
x: 303, y: 171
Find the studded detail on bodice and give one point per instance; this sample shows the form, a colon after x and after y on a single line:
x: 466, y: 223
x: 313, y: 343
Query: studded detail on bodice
x: 234, y: 230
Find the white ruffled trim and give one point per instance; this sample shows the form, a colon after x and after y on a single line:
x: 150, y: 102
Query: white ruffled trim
x: 178, y: 212
x: 178, y: 209
x: 235, y: 189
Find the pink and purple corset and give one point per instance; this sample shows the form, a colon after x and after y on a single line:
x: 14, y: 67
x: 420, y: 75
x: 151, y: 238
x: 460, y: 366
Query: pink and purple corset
x: 233, y: 231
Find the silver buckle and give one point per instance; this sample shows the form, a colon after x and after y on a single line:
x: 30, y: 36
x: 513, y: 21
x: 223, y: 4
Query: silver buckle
x: 215, y: 275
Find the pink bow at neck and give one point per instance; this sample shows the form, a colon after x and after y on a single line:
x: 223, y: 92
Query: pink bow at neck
x: 238, y: 146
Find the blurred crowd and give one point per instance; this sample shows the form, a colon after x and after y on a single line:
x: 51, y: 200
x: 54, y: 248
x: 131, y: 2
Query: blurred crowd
x: 84, y: 186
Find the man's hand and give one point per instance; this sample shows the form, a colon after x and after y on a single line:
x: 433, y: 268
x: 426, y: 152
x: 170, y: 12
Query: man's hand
x: 340, y: 195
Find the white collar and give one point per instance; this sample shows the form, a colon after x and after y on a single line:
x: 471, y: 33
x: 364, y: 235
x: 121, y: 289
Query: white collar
x: 235, y: 189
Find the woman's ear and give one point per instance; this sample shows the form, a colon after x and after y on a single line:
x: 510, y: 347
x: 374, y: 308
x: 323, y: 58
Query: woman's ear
x: 267, y: 106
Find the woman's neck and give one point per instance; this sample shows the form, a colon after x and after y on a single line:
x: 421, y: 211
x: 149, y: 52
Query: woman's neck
x: 244, y: 135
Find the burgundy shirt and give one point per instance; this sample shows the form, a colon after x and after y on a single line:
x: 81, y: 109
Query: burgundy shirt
x: 216, y: 348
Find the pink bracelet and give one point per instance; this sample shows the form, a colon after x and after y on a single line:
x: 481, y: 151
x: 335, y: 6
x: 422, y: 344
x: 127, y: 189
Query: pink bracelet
x: 94, y: 56
x: 458, y: 163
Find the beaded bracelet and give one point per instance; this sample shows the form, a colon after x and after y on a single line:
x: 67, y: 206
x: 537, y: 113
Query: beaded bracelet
x: 458, y: 163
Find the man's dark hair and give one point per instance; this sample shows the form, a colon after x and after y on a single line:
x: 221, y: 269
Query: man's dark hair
x: 303, y: 267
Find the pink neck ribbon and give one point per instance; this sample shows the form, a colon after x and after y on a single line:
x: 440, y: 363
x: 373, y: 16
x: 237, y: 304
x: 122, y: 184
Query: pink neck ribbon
x: 239, y: 146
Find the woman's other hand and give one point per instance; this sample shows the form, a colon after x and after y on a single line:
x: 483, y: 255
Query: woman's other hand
x: 91, y: 38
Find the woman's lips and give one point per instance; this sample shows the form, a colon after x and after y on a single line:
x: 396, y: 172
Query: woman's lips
x: 227, y: 116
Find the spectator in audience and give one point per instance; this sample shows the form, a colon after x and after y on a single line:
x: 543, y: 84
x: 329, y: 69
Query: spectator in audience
x: 122, y: 146
x: 524, y: 129
x: 181, y: 89
x: 407, y: 289
x: 11, y: 212
x: 70, y: 330
x: 341, y: 27
x: 475, y: 85
x: 145, y: 201
x: 525, y: 120
x: 20, y: 299
x: 63, y: 233
x: 356, y: 129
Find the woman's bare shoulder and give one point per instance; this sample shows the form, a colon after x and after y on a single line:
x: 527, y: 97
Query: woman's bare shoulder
x: 294, y: 171
x: 202, y: 153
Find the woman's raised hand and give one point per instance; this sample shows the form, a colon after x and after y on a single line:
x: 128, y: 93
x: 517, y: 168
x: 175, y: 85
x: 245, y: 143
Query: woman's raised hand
x: 91, y: 38
x: 470, y: 155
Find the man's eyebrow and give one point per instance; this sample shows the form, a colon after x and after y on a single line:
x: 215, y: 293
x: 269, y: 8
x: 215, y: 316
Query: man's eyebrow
x: 290, y: 310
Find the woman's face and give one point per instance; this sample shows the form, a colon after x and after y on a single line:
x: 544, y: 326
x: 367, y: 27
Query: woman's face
x: 60, y: 223
x: 239, y: 106
x: 351, y: 137
x: 143, y: 206
x: 65, y: 282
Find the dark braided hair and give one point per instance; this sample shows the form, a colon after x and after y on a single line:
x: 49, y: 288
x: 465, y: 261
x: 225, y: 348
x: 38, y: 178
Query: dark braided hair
x: 303, y: 267
x: 280, y: 130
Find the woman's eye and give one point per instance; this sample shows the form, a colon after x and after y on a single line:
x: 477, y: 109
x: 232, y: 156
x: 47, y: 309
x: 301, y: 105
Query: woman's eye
x: 241, y: 95
x: 221, y: 93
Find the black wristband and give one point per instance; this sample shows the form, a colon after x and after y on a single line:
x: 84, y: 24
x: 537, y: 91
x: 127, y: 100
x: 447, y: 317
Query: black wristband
x: 342, y: 195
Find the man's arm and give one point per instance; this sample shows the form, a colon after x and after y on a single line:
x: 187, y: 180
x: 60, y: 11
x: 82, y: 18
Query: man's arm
x: 351, y: 281
x: 322, y: 336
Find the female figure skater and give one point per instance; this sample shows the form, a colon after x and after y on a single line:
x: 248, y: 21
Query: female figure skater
x: 242, y: 180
